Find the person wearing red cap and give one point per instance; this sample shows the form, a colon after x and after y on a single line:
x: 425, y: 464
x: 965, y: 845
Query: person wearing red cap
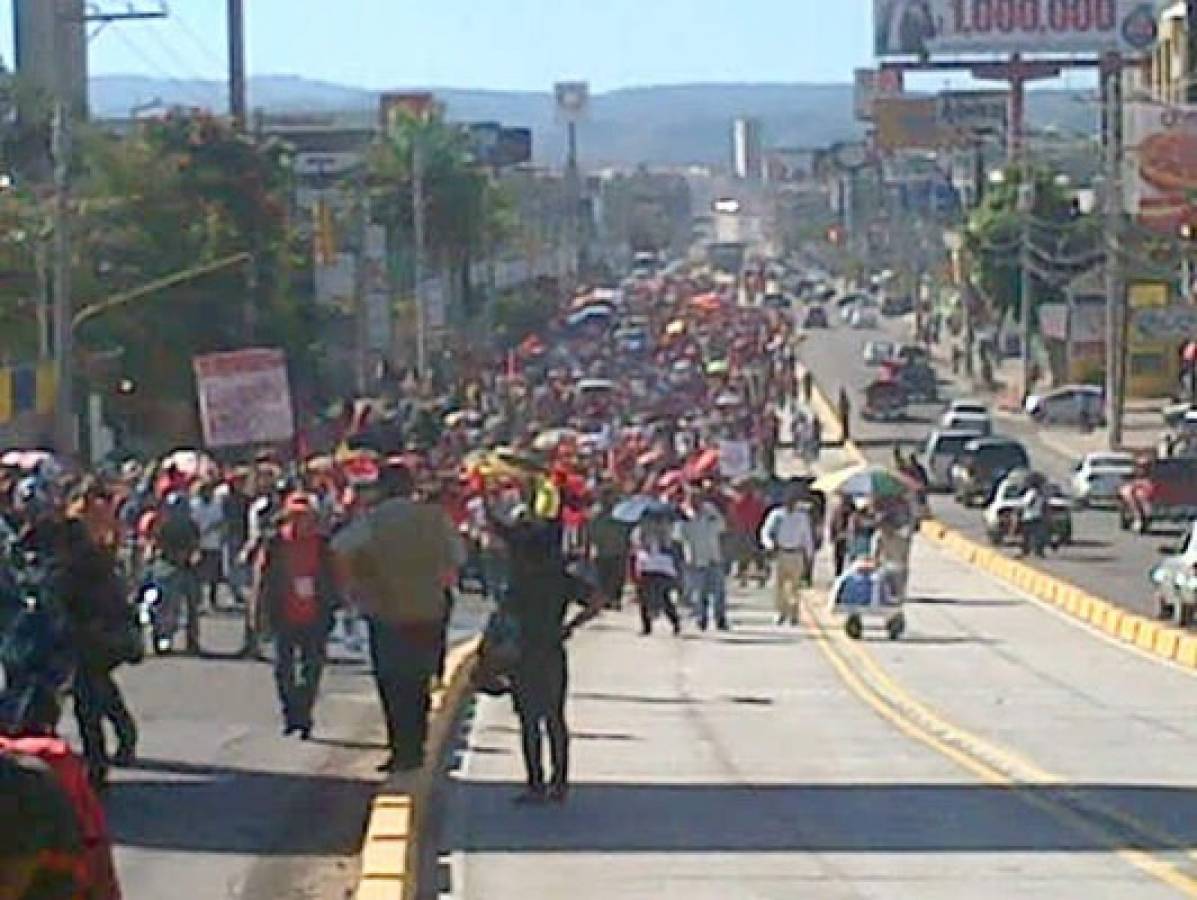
x: 299, y: 594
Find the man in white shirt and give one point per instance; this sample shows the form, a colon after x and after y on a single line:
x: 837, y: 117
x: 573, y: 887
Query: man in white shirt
x: 789, y: 532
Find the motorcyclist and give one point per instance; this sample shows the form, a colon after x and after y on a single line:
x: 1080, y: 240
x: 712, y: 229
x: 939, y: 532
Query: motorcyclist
x: 1032, y: 516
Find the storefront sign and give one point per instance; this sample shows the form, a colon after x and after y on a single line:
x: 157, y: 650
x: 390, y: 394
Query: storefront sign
x: 942, y: 27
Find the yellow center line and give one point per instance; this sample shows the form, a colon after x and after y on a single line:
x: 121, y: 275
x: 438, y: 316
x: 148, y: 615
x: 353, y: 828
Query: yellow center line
x: 990, y: 763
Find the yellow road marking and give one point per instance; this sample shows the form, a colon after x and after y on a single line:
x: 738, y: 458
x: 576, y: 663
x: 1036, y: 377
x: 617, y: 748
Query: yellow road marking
x: 991, y: 763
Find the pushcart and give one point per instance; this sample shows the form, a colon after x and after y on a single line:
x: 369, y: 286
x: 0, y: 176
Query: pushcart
x: 866, y: 591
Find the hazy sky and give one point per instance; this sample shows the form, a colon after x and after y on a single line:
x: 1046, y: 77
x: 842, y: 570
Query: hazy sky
x: 513, y: 44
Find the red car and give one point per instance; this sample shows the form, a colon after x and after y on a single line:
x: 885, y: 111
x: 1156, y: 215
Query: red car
x: 1160, y: 490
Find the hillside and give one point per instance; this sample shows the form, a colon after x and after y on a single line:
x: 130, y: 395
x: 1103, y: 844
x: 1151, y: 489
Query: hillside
x: 671, y: 125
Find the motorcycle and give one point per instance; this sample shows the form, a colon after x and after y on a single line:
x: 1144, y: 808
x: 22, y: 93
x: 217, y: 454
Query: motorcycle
x: 1033, y: 537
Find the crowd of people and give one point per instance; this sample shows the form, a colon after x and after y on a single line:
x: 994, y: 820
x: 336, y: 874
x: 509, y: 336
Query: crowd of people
x: 632, y: 442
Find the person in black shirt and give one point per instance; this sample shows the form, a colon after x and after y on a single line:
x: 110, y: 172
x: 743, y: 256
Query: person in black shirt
x: 542, y: 588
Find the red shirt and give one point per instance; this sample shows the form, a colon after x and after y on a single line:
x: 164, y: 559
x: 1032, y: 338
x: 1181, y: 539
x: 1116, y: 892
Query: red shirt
x: 301, y: 606
x: 747, y: 512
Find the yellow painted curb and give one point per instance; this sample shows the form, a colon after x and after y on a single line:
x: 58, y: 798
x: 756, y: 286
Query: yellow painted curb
x: 1160, y: 641
x: 1146, y: 636
x: 390, y: 853
x: 1186, y: 651
x: 1167, y: 641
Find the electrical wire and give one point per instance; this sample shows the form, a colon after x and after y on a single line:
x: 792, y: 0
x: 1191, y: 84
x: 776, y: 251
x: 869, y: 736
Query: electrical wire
x: 195, y: 40
x: 188, y: 89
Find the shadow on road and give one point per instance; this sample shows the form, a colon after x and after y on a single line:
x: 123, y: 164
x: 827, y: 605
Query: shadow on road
x: 821, y: 818
x: 957, y: 601
x: 216, y: 809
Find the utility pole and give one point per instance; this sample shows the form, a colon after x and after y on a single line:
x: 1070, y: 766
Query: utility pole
x: 1111, y: 79
x: 418, y: 229
x: 238, y: 99
x: 361, y: 319
x: 573, y: 192
x: 1026, y: 209
x: 65, y: 426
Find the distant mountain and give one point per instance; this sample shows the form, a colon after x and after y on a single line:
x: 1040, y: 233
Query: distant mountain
x: 673, y: 125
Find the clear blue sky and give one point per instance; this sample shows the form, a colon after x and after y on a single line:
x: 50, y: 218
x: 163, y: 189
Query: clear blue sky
x: 510, y: 44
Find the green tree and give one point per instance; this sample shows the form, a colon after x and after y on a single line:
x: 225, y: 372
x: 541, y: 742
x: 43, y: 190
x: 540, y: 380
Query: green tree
x: 1062, y: 243
x: 466, y: 212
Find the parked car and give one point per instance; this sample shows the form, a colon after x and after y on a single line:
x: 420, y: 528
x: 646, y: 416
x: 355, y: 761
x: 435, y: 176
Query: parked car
x: 815, y: 317
x: 1097, y: 478
x: 1007, y: 501
x: 940, y: 453
x: 776, y: 301
x: 919, y: 382
x: 1175, y: 580
x: 982, y: 466
x: 1076, y: 404
x: 877, y: 352
x: 977, y: 424
x: 848, y: 303
x: 898, y: 305
x: 1159, y: 490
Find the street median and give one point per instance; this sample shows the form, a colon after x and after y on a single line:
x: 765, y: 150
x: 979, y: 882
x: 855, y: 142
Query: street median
x: 391, y: 852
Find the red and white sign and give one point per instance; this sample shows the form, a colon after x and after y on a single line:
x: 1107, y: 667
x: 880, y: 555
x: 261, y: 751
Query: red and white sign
x: 244, y: 398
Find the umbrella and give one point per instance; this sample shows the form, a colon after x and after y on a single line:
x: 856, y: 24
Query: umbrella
x: 587, y: 385
x: 718, y: 367
x: 676, y: 327
x: 28, y: 460
x: 728, y: 399
x: 633, y: 509
x: 864, y: 481
x: 588, y: 314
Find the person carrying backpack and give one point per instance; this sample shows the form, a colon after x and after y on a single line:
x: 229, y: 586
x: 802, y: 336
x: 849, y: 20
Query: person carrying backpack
x: 299, y: 594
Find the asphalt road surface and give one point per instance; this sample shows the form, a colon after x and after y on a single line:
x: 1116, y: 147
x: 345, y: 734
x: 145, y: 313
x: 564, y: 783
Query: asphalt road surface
x: 996, y: 751
x: 1104, y: 560
x: 220, y: 804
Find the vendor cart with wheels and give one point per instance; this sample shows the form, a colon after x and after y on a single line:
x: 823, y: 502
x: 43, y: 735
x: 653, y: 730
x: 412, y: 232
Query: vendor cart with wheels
x: 864, y: 592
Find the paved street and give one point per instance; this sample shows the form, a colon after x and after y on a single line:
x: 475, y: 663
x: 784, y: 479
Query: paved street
x: 221, y: 801
x: 1105, y: 560
x: 774, y: 763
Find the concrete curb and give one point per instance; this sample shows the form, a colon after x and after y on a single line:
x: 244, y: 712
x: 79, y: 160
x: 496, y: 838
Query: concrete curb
x: 391, y: 851
x: 1145, y: 635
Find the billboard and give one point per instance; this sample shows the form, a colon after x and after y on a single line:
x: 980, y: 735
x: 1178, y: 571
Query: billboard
x: 500, y: 147
x: 974, y: 112
x: 1161, y: 164
x: 244, y: 397
x: 961, y: 27
x: 420, y: 104
x: 908, y: 123
x: 573, y: 100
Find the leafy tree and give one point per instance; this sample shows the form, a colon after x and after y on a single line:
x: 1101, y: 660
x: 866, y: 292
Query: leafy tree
x: 465, y: 211
x: 1062, y: 243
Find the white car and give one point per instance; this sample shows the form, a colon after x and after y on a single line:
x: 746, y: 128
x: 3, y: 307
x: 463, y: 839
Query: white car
x: 878, y: 352
x: 972, y: 407
x: 1098, y: 476
x: 863, y: 317
x: 1074, y: 404
x: 978, y: 424
x: 940, y: 453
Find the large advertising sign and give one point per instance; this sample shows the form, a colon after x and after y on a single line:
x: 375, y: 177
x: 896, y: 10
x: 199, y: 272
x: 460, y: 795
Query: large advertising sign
x: 573, y: 100
x: 244, y: 398
x: 961, y: 27
x: 974, y: 112
x: 1161, y: 164
x: 908, y: 123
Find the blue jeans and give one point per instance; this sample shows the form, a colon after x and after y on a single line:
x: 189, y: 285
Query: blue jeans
x: 708, y: 587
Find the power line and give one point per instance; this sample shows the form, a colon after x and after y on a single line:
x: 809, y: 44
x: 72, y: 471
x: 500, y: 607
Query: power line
x: 185, y: 87
x: 196, y: 40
